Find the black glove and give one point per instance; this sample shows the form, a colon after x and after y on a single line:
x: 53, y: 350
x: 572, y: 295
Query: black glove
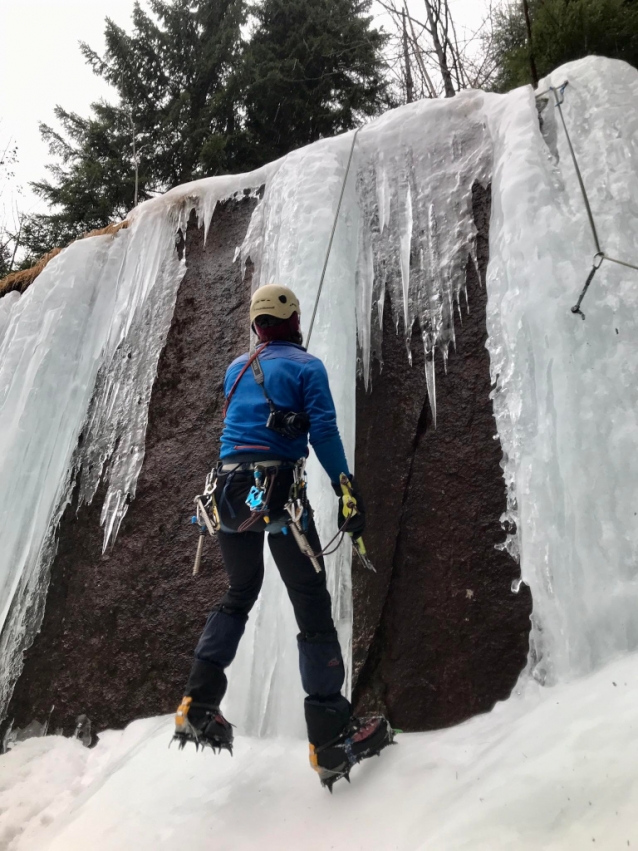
x: 351, y: 509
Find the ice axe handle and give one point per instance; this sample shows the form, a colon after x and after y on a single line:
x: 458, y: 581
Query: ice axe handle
x: 350, y: 506
x: 198, y: 557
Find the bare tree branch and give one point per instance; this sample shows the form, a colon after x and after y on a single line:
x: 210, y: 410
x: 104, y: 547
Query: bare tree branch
x: 434, y: 17
x: 440, y: 62
x: 426, y: 77
x: 409, y: 85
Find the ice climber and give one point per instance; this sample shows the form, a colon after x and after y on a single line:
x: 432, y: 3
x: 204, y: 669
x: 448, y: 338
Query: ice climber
x: 276, y: 399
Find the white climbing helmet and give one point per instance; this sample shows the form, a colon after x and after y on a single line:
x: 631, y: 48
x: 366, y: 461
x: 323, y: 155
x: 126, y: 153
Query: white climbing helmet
x: 274, y: 300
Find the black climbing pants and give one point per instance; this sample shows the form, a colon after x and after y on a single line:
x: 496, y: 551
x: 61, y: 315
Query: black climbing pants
x: 320, y: 660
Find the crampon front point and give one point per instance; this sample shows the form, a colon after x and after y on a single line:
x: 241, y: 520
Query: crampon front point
x: 202, y: 725
x: 364, y: 738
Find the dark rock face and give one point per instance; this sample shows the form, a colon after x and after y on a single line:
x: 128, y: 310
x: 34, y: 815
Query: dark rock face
x: 119, y: 629
x: 438, y: 634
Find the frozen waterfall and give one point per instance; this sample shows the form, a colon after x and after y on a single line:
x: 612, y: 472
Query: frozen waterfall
x: 566, y: 401
x: 79, y: 352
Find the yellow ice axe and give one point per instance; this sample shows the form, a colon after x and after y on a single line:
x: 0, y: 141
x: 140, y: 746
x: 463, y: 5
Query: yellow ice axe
x: 349, y: 510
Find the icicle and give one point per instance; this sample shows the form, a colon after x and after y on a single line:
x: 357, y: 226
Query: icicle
x: 6, y: 306
x: 405, y: 248
x: 417, y: 168
x: 430, y: 378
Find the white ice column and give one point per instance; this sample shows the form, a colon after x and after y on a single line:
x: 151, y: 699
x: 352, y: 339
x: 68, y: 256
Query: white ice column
x: 567, y: 397
x: 292, y: 225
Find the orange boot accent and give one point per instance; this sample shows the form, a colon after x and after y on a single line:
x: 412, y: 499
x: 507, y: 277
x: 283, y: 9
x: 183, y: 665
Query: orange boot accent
x: 314, y: 761
x: 182, y: 712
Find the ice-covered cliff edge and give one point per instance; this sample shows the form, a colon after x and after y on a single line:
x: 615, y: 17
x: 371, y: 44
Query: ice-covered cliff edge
x: 565, y: 401
x: 407, y: 217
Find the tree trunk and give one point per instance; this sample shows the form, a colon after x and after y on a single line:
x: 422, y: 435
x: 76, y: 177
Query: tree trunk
x: 532, y: 59
x: 440, y: 52
x: 427, y: 82
x: 16, y: 245
x: 409, y: 85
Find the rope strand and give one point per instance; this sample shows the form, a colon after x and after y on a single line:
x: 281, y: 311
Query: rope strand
x: 576, y: 166
x: 332, y: 235
x: 600, y: 255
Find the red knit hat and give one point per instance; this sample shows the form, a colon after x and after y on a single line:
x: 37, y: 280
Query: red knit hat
x: 286, y: 329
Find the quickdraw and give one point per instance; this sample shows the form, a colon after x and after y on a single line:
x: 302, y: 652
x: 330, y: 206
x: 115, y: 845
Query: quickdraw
x: 206, y: 516
x: 297, y: 509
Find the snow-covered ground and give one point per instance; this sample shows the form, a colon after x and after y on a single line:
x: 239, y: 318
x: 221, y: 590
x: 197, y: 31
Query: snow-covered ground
x: 553, y: 769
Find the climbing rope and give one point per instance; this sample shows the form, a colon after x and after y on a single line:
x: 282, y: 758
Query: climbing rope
x: 600, y: 255
x: 334, y: 228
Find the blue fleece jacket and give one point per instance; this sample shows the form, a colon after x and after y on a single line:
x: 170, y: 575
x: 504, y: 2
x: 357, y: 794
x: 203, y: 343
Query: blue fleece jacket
x: 295, y: 381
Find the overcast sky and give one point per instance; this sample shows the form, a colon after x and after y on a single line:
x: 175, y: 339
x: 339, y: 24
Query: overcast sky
x: 41, y: 66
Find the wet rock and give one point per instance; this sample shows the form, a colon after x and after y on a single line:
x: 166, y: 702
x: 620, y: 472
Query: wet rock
x: 438, y: 634
x: 119, y: 629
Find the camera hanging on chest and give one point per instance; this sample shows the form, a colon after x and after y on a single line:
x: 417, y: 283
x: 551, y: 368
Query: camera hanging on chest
x: 288, y: 424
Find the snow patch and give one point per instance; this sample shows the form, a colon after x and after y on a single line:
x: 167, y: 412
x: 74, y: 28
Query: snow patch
x: 547, y: 769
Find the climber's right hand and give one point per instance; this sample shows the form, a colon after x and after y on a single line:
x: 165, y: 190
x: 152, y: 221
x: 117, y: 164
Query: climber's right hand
x: 352, y: 513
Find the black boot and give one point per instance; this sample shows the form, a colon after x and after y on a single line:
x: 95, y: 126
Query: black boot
x: 202, y: 724
x: 339, y: 740
x: 198, y: 718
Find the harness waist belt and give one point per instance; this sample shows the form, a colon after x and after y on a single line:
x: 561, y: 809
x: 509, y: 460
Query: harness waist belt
x: 231, y: 467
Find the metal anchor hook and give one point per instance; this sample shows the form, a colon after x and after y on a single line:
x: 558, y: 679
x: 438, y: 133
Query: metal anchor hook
x: 561, y: 91
x: 598, y: 262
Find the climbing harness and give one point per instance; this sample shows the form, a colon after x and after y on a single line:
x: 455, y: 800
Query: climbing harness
x: 600, y: 255
x: 297, y: 508
x: 332, y: 235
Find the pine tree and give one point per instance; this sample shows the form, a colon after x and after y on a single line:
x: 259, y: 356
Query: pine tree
x: 193, y: 100
x: 177, y: 78
x: 561, y: 31
x: 311, y: 70
x: 92, y: 185
x: 5, y: 258
x: 176, y: 81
